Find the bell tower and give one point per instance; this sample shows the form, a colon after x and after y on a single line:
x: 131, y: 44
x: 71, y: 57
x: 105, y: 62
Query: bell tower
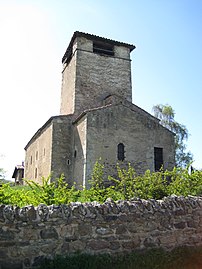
x: 94, y: 68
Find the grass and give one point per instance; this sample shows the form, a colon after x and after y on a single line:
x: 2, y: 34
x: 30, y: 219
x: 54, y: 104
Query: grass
x: 179, y: 258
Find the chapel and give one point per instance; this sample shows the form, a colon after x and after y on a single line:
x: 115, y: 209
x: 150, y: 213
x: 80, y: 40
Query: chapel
x: 97, y: 119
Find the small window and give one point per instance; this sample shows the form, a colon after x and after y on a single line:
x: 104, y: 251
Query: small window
x: 158, y: 158
x: 121, y: 152
x: 31, y: 160
x: 35, y: 172
x: 103, y: 48
x: 75, y: 154
x: 37, y: 155
x: 44, y: 152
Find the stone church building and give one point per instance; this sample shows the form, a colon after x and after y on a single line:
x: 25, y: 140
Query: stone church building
x: 97, y: 118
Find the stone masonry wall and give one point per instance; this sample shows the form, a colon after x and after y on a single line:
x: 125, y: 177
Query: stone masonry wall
x: 79, y: 168
x: 29, y: 234
x: 62, y: 142
x: 98, y: 76
x: 38, y: 156
x: 90, y: 77
x: 109, y: 126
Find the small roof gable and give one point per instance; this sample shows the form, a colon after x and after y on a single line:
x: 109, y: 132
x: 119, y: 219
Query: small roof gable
x: 94, y: 38
x: 17, y: 168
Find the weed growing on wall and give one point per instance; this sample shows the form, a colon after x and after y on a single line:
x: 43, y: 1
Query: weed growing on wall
x: 127, y: 185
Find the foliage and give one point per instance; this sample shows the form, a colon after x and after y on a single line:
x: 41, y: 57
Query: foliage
x: 181, y: 182
x: 149, y: 185
x: 126, y: 186
x: 49, y: 192
x: 2, y: 175
x: 16, y: 196
x: 96, y: 180
x: 180, y: 258
x: 166, y: 115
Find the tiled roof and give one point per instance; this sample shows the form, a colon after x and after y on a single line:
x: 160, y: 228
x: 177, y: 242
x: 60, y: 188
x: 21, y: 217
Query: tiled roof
x: 134, y: 108
x: 95, y: 38
x: 88, y: 110
x: 126, y: 103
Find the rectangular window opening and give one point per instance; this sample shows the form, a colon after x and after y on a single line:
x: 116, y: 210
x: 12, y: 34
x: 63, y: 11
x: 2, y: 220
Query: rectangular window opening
x: 103, y: 48
x: 158, y: 158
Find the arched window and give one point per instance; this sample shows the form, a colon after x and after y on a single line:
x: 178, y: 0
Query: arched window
x: 121, y: 152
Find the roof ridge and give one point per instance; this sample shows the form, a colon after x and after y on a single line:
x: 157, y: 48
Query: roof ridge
x: 94, y: 37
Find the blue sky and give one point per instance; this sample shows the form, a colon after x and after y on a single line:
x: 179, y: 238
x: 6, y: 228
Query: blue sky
x: 166, y: 64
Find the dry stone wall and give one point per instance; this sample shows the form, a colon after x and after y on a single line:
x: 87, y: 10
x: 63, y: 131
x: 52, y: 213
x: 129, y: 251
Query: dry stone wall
x: 29, y: 234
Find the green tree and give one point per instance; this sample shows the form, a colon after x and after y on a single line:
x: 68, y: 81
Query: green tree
x: 166, y: 114
x: 2, y: 174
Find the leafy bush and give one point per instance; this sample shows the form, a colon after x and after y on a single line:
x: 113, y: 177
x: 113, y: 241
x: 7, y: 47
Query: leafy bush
x: 16, y: 196
x: 127, y: 185
x: 149, y: 185
x: 184, y: 183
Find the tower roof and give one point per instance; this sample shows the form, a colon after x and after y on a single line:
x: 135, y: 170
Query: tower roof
x: 94, y: 38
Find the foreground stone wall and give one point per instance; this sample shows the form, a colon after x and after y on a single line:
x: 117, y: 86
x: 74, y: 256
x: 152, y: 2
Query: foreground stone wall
x: 29, y: 234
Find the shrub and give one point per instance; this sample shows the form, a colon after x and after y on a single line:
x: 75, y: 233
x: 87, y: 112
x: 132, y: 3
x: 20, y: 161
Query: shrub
x: 127, y: 185
x: 149, y: 185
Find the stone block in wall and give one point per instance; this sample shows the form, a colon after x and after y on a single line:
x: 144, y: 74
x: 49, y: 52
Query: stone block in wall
x: 77, y: 245
x: 2, y: 219
x: 131, y: 244
x: 25, y: 214
x: 98, y: 245
x: 49, y: 233
x: 6, y: 234
x: 169, y: 239
x: 43, y: 212
x: 104, y: 230
x: 121, y: 229
x: 8, y: 213
x: 84, y: 229
x: 151, y: 242
x: 180, y: 225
